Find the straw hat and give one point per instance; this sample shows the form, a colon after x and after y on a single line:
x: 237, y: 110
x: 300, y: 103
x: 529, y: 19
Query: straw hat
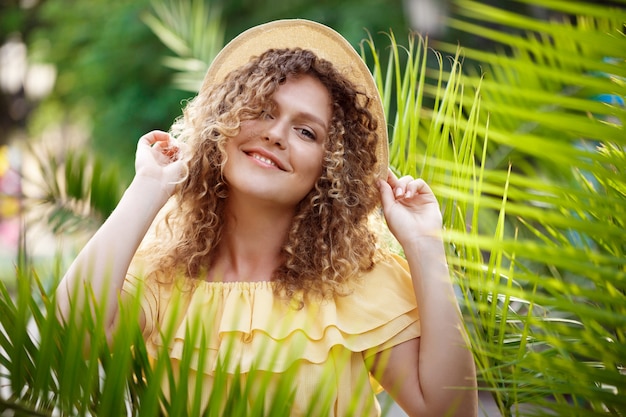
x: 325, y: 42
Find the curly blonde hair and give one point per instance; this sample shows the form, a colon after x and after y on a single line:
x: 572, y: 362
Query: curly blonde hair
x: 330, y: 240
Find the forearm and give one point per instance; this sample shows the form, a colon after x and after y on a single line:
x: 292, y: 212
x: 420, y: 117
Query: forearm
x: 446, y: 367
x: 101, y: 266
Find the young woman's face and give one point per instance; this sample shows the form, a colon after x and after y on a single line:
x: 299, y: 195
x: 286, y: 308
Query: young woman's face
x: 278, y: 157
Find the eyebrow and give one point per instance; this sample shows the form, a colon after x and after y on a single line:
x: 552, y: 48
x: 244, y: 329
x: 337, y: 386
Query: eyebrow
x: 306, y: 115
x: 314, y: 119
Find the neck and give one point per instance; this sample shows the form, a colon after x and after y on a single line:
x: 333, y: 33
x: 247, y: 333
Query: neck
x: 250, y: 247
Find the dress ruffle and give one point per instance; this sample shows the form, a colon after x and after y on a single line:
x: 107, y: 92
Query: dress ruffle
x: 242, y: 326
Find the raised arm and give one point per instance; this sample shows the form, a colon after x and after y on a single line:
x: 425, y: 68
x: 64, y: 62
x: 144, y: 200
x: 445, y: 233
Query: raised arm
x: 435, y: 374
x: 105, y: 259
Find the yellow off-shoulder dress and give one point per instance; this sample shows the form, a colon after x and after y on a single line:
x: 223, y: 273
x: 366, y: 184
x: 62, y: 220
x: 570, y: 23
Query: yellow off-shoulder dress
x: 238, y: 334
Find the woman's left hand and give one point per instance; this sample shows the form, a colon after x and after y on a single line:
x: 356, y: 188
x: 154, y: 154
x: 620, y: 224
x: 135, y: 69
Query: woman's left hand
x: 421, y: 371
x: 410, y: 207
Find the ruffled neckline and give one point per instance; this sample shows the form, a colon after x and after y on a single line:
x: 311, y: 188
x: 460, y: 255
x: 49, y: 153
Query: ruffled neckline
x: 240, y: 319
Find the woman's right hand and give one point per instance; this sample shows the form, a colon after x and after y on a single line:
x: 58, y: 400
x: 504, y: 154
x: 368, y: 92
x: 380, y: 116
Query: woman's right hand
x: 160, y: 158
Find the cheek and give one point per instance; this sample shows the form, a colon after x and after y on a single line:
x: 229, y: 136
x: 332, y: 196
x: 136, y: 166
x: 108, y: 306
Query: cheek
x: 316, y: 164
x: 229, y: 156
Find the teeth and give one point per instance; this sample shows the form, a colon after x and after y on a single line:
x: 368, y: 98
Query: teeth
x: 263, y: 159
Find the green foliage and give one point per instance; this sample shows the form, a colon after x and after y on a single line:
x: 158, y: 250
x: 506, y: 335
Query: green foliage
x: 350, y: 17
x: 528, y: 165
x: 194, y: 32
x: 46, y: 370
x: 44, y: 362
x: 110, y: 78
x: 77, y: 190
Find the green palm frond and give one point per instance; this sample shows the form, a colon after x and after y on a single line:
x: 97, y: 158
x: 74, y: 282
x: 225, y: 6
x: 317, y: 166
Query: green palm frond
x: 528, y: 164
x: 525, y: 148
x: 74, y: 191
x: 193, y: 30
x: 45, y: 370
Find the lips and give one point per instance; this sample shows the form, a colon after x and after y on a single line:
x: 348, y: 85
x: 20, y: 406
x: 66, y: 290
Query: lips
x: 265, y: 158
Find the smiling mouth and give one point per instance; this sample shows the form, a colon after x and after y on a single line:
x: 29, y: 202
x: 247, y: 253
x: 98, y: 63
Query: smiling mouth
x: 263, y: 159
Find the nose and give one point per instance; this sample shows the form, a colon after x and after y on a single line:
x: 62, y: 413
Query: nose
x: 276, y: 133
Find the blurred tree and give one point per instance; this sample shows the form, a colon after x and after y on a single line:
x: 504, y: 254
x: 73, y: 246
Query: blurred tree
x: 537, y: 250
x: 352, y: 18
x: 110, y: 76
x: 116, y: 78
x: 16, y: 26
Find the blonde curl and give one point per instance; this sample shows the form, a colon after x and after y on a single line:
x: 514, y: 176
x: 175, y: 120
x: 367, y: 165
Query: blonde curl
x: 330, y: 241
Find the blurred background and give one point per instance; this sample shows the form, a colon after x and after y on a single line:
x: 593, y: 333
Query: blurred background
x: 81, y: 81
x: 87, y: 79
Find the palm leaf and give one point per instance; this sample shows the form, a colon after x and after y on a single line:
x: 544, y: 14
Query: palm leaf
x: 193, y: 31
x: 73, y: 191
x: 528, y: 165
x: 557, y: 242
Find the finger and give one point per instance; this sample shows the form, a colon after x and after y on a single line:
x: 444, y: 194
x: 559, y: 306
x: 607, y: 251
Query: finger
x: 401, y: 186
x: 422, y: 187
x: 166, y: 146
x: 170, y: 150
x: 176, y: 150
x: 413, y: 187
x: 392, y: 180
x: 156, y: 136
x: 395, y: 184
x: 403, y: 183
x: 386, y: 193
x: 419, y: 187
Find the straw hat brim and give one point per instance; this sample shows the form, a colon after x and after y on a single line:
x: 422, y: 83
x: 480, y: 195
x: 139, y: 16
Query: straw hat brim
x: 325, y: 42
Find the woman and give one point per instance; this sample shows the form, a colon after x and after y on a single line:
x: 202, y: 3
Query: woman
x: 268, y: 248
